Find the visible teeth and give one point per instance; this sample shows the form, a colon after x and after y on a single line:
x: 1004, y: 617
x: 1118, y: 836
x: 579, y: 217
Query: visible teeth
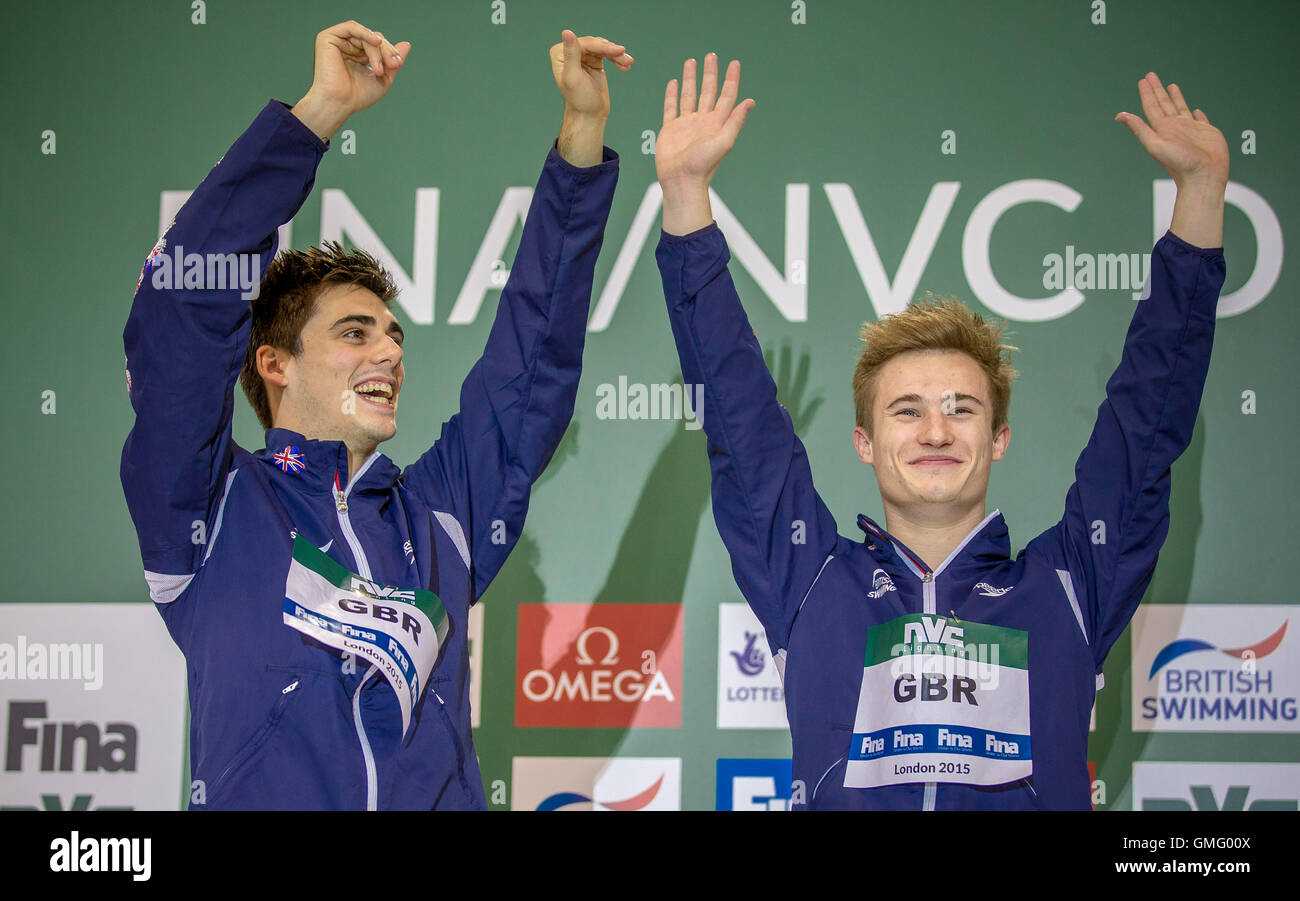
x: 375, y: 388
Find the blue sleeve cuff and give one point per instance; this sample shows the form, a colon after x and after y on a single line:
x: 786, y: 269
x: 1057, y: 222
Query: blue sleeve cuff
x: 708, y: 231
x: 284, y: 112
x: 608, y: 163
x: 1191, y: 248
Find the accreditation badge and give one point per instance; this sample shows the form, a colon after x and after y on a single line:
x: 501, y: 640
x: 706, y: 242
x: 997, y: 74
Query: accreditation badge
x: 942, y: 700
x: 398, y: 630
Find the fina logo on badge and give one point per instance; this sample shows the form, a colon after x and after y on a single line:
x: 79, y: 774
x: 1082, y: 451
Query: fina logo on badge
x: 750, y: 695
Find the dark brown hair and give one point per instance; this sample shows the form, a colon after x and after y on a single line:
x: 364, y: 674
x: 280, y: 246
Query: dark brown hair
x: 287, y: 299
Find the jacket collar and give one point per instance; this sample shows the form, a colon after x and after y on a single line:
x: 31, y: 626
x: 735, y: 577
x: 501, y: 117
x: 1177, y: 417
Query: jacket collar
x: 313, y: 466
x: 989, y: 543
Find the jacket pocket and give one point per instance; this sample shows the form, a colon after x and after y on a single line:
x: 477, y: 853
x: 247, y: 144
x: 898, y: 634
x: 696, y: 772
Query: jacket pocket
x: 293, y: 687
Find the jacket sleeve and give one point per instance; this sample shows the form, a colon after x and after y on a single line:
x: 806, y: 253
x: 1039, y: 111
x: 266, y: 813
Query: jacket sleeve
x: 187, y: 334
x: 1117, y: 511
x: 518, y: 398
x: 776, y: 528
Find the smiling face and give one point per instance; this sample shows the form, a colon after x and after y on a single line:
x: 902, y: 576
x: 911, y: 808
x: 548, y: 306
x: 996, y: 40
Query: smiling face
x: 933, y: 443
x: 344, y: 384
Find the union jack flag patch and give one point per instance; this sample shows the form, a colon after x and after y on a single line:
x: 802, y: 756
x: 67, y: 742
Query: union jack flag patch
x: 158, y: 250
x: 290, y: 459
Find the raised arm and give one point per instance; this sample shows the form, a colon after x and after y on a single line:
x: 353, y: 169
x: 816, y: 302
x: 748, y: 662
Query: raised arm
x: 185, y: 342
x: 519, y: 397
x: 1117, y: 511
x: 775, y: 527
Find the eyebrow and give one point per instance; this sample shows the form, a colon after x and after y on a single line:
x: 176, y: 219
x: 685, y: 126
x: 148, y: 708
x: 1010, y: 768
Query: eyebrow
x: 363, y: 319
x: 917, y: 399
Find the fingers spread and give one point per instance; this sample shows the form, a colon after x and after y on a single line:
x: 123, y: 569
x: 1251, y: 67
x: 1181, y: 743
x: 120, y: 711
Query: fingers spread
x: 688, y: 87
x: 730, y: 87
x: 670, y: 102
x: 1176, y: 95
x: 1161, y: 95
x: 1150, y: 106
x: 737, y: 118
x: 1140, y: 129
x: 709, y: 85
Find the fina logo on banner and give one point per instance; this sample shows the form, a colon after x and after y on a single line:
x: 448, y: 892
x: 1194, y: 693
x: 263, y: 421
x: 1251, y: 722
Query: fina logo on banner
x: 1216, y: 786
x: 754, y: 784
x: 594, y: 665
x: 1215, y: 668
x: 750, y: 695
x: 596, y: 783
x: 93, y: 704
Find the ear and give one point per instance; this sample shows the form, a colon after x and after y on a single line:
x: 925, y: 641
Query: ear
x: 1001, y: 440
x: 862, y: 444
x: 272, y: 363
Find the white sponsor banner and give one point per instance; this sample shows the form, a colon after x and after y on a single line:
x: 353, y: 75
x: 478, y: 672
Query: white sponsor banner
x: 596, y: 783
x: 92, y: 698
x: 1216, y: 786
x: 1216, y: 668
x: 750, y: 693
x: 475, y: 635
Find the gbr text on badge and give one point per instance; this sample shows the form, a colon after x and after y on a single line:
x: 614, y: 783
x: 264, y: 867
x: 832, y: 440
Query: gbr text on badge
x: 599, y: 665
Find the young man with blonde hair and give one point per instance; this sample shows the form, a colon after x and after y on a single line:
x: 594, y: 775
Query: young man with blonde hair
x: 923, y: 667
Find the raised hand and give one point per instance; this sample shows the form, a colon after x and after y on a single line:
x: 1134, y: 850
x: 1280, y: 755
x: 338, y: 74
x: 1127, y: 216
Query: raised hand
x: 694, y: 139
x: 578, y: 65
x: 1194, y: 153
x: 1178, y: 138
x: 354, y: 68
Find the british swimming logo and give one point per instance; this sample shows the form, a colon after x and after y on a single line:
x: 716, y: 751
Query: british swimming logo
x: 1247, y: 679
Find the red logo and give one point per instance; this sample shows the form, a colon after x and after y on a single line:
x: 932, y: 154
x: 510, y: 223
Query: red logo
x: 602, y: 665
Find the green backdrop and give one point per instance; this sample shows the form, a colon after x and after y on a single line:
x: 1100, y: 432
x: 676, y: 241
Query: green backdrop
x: 141, y: 100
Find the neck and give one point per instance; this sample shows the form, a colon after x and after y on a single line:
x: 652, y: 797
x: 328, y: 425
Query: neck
x: 932, y: 536
x: 357, y: 456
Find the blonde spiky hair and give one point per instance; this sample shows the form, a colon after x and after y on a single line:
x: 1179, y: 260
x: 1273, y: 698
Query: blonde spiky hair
x: 935, y: 323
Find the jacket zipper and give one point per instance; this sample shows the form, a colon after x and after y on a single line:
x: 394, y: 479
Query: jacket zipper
x: 929, y: 592
x: 341, y: 502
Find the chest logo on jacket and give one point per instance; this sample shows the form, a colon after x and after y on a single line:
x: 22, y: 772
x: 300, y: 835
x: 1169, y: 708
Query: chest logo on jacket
x: 880, y: 583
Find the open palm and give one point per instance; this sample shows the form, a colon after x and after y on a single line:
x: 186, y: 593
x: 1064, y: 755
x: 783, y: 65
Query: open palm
x: 1178, y: 138
x: 696, y: 136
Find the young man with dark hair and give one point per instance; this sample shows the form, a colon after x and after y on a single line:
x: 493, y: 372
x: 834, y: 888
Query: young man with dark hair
x: 289, y: 296
x: 923, y: 667
x: 320, y: 596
